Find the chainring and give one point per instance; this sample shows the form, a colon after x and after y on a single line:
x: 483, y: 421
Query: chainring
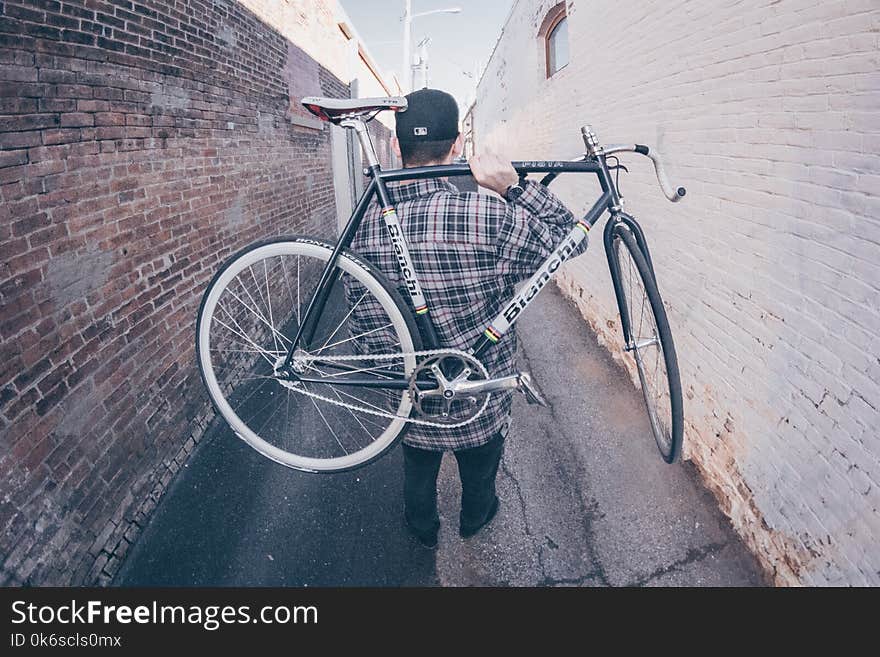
x: 441, y: 404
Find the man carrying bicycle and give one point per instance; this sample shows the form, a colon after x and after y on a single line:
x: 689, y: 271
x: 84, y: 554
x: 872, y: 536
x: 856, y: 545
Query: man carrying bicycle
x: 470, y: 250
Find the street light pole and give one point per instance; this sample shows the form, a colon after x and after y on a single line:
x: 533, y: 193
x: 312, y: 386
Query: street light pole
x: 407, y: 63
x: 406, y: 72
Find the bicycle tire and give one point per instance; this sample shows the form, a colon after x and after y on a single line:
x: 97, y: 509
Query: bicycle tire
x: 668, y: 433
x: 364, y: 274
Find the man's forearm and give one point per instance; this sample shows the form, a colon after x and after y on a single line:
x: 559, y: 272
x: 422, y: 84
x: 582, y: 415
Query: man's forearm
x: 543, y: 205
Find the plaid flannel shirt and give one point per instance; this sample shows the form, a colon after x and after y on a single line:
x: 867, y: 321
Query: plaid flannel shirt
x: 469, y: 250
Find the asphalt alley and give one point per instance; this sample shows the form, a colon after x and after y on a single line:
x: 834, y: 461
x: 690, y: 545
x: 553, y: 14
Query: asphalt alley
x: 585, y: 500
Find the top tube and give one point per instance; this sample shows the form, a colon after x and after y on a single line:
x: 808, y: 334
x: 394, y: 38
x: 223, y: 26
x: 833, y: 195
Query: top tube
x: 522, y: 167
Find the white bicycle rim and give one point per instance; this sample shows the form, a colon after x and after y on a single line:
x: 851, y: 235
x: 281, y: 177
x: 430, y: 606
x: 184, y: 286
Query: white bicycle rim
x: 310, y: 464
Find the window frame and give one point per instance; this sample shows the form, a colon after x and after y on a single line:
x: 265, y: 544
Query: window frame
x: 551, y: 21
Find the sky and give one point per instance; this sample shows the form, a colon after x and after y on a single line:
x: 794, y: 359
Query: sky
x: 459, y: 42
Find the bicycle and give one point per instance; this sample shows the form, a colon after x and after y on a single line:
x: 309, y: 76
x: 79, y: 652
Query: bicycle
x: 269, y: 364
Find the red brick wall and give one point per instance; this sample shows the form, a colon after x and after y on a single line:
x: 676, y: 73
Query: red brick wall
x: 140, y: 144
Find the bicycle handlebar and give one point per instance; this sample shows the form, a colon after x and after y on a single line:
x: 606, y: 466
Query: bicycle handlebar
x: 461, y: 168
x: 674, y: 194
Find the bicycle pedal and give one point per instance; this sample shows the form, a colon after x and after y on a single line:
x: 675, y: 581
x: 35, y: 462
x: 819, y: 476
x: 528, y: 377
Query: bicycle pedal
x: 530, y: 389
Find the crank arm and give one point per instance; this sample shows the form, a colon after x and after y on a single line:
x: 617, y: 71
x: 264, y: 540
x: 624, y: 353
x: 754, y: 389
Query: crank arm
x: 522, y: 382
x: 489, y: 385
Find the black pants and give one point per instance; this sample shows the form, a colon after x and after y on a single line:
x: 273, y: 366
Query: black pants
x: 477, y: 467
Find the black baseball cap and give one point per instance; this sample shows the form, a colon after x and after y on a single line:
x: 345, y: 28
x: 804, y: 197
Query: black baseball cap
x: 431, y: 115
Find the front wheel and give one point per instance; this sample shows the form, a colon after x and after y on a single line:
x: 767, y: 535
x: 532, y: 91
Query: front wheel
x: 649, y: 340
x: 318, y: 421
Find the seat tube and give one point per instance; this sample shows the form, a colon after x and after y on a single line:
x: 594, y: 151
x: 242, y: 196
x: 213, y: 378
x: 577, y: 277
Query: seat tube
x: 405, y: 263
x: 395, y: 233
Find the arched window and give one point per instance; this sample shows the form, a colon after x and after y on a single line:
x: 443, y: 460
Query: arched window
x: 554, y: 32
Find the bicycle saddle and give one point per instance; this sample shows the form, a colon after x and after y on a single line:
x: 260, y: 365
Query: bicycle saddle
x: 337, y: 109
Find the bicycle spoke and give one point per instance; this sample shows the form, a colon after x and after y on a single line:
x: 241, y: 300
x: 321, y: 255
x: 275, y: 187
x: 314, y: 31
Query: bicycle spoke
x: 653, y: 378
x: 268, y: 419
x: 241, y: 284
x: 247, y: 351
x: 321, y: 413
x: 378, y: 370
x: 256, y: 286
x: 269, y: 302
x: 246, y: 399
x: 365, y: 417
x: 642, y: 313
x: 259, y: 413
x: 262, y: 351
x: 363, y: 401
x: 242, y: 333
x: 629, y: 296
x: 251, y: 377
x: 658, y: 395
x: 351, y: 412
x: 335, y: 344
x: 286, y: 278
x: 239, y: 343
x: 350, y: 396
x: 332, y: 335
x: 257, y: 314
x: 659, y: 358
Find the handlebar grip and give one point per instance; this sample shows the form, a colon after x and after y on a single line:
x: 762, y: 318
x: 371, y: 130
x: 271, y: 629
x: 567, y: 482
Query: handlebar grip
x: 674, y: 194
x: 641, y: 149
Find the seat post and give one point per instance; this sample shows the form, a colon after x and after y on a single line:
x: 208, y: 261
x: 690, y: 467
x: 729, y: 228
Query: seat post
x: 360, y: 127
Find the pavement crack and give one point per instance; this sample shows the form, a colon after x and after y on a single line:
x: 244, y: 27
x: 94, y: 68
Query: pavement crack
x: 522, y: 505
x: 693, y: 555
x: 541, y: 563
x: 588, y: 512
x: 519, y: 495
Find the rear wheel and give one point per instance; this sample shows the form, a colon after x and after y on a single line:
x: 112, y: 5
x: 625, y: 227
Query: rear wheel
x: 649, y: 341
x: 248, y: 317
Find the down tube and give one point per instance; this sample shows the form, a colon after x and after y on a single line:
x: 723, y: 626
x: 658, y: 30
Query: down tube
x: 512, y: 310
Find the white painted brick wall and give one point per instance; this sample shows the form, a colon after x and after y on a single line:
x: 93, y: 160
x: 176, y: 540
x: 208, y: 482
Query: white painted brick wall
x: 769, y: 113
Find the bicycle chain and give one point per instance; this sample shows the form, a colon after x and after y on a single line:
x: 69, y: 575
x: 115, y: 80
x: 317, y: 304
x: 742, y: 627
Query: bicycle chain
x: 291, y: 385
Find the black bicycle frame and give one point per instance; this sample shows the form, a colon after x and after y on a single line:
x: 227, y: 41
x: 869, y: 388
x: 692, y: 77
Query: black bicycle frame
x: 609, y: 200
